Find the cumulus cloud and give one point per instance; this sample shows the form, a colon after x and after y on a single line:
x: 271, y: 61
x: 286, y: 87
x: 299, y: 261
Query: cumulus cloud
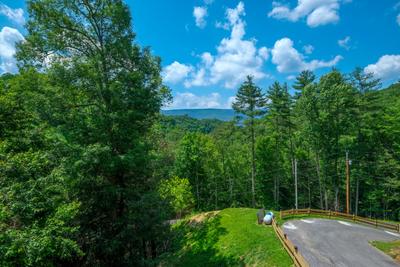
x: 176, y: 72
x: 398, y: 19
x: 8, y: 38
x: 190, y: 100
x: 387, y: 68
x: 316, y: 12
x: 15, y: 15
x: 288, y: 59
x: 200, y: 14
x: 236, y: 57
x: 345, y: 43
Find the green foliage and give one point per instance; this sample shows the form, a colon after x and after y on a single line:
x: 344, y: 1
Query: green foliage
x: 37, y: 218
x: 196, y: 159
x: 250, y: 102
x: 178, y: 192
x: 83, y: 122
x: 304, y: 79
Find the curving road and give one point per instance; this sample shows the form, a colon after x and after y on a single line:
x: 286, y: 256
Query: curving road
x: 325, y: 242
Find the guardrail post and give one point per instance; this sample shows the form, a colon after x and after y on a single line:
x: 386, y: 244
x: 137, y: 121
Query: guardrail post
x: 309, y: 211
x: 376, y: 222
x: 398, y: 228
x: 292, y: 211
x: 296, y: 249
x: 354, y: 217
x: 280, y: 214
x: 329, y: 214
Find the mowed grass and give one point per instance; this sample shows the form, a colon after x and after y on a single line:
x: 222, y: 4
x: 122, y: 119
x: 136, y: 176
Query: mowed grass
x: 390, y: 248
x: 230, y: 237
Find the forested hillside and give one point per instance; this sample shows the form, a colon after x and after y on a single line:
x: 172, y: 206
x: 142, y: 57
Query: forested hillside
x: 91, y: 171
x: 211, y: 113
x: 315, y: 127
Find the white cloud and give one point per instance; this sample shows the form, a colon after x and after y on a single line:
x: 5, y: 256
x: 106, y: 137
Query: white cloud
x: 15, y: 15
x: 207, y: 59
x: 176, y: 72
x: 387, y: 67
x: 221, y: 25
x: 200, y: 14
x: 317, y: 12
x: 190, y: 100
x: 308, y: 49
x: 345, y: 43
x: 8, y: 38
x: 263, y: 52
x: 236, y: 57
x: 398, y: 19
x: 288, y: 59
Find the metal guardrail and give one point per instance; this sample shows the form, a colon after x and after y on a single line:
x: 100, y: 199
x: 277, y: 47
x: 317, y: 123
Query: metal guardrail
x: 293, y: 250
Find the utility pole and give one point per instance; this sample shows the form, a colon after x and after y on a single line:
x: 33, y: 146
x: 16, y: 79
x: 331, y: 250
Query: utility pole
x: 347, y: 183
x: 295, y: 181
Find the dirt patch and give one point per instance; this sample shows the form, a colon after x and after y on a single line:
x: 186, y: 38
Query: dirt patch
x: 199, y: 218
x: 395, y: 254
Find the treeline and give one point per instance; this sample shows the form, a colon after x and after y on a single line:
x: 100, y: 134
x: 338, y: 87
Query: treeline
x: 313, y: 128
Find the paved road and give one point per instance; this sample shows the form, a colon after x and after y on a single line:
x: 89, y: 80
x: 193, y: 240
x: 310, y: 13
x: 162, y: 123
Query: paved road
x: 338, y: 243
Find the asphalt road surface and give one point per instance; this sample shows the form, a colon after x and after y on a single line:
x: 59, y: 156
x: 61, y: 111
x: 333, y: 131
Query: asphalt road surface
x: 325, y: 242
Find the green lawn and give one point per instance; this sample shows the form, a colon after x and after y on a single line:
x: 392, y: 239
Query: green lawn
x: 230, y: 237
x: 390, y: 248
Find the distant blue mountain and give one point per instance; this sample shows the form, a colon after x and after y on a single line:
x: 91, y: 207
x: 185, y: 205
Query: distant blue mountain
x: 219, y: 114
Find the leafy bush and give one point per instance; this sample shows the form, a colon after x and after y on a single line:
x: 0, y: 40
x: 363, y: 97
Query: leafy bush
x: 178, y: 192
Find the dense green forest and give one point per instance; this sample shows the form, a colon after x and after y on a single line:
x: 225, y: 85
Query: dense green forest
x: 90, y: 171
x: 315, y: 127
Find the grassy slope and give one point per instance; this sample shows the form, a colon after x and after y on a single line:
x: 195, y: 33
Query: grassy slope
x: 230, y: 238
x: 390, y: 248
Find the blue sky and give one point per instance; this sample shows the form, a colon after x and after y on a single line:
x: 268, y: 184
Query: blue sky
x: 209, y: 46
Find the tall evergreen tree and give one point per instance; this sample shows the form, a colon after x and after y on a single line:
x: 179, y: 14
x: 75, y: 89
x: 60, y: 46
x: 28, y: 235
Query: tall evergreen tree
x: 305, y: 78
x: 366, y: 107
x: 250, y: 102
x: 280, y: 115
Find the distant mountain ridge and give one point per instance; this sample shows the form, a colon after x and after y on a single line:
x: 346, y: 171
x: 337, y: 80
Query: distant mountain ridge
x: 387, y: 96
x: 211, y: 113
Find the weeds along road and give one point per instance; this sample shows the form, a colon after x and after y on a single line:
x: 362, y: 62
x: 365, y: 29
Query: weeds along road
x: 325, y: 242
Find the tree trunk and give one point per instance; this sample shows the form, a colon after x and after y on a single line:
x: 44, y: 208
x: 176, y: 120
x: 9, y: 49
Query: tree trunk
x: 253, y: 165
x: 197, y: 187
x: 216, y: 193
x: 317, y: 166
x: 356, y: 204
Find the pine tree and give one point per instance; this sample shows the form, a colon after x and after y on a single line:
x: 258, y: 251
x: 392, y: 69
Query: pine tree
x: 250, y: 102
x: 281, y: 117
x: 305, y: 78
